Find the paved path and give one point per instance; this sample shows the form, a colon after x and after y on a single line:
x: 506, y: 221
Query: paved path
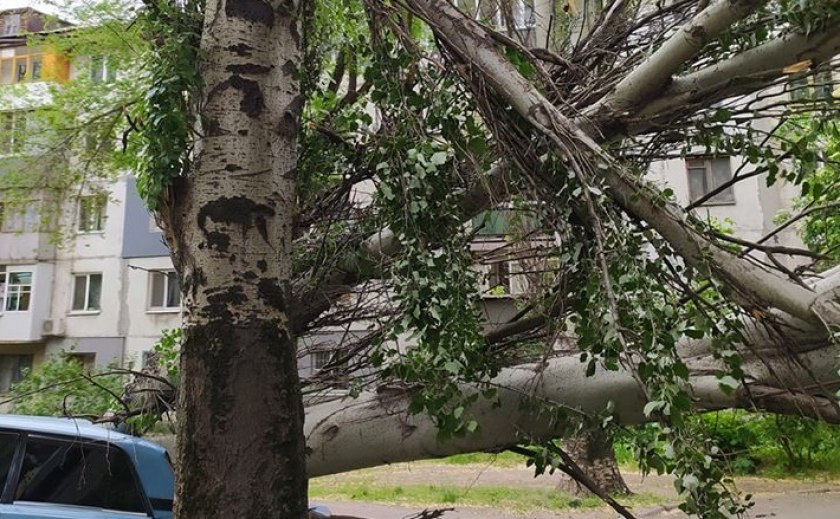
x: 818, y: 503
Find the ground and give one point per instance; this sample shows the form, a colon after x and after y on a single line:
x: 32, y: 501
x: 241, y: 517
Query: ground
x: 491, y: 491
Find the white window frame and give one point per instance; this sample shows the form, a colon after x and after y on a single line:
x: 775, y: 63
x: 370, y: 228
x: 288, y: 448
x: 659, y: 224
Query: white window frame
x: 151, y: 307
x: 18, y: 289
x: 92, y: 213
x: 87, y: 307
x: 13, y: 131
x: 21, y: 218
x: 318, y: 356
x: 725, y: 197
x: 102, y: 69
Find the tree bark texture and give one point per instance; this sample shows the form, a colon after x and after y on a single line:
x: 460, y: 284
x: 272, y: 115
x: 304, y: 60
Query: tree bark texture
x: 241, y: 444
x: 593, y: 453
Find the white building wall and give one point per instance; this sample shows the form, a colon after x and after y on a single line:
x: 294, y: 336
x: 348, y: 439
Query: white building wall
x: 25, y: 326
x: 754, y: 208
x: 142, y: 325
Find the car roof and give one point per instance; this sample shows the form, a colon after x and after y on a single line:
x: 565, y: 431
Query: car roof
x: 74, y: 427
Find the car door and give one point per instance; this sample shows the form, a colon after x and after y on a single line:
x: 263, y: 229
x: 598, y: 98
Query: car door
x: 63, y: 478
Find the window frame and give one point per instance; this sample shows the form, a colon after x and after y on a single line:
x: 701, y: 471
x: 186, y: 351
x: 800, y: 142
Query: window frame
x: 86, y: 310
x: 14, y: 124
x: 322, y: 352
x: 102, y: 69
x: 92, y: 208
x: 150, y: 306
x: 6, y: 25
x: 17, y: 376
x: 499, y: 274
x: 28, y: 61
x: 725, y: 197
x: 7, y: 493
x: 4, y: 297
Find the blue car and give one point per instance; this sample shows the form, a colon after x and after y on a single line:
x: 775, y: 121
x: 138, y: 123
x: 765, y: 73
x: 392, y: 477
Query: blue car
x: 63, y: 468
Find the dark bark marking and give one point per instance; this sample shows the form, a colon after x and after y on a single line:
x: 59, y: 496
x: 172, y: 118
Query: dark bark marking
x: 237, y: 210
x: 257, y: 11
x: 212, y: 128
x: 249, y: 68
x: 252, y: 102
x: 233, y: 167
x: 698, y: 32
x: 273, y: 292
x: 289, y: 124
x: 330, y: 433
x: 249, y: 275
x: 262, y: 265
x: 218, y: 241
x: 241, y: 49
x: 243, y: 132
x: 290, y: 68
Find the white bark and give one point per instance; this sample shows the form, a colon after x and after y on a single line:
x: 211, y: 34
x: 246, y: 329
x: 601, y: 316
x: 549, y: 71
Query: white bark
x: 376, y: 428
x: 755, y: 285
x: 650, y: 76
x: 741, y: 74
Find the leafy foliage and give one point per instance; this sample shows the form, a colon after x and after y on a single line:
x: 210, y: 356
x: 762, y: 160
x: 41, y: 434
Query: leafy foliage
x: 164, y: 118
x: 61, y: 386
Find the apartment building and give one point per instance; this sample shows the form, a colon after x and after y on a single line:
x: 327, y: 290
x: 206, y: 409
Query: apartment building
x: 107, y: 293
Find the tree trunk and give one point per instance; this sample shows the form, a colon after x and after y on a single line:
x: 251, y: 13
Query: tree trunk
x: 241, y: 444
x: 593, y: 452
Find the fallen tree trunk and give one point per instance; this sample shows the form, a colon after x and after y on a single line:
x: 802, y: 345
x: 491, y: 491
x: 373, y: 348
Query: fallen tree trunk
x: 794, y: 374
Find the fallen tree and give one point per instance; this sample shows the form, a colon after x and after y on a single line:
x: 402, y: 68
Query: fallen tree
x: 263, y: 119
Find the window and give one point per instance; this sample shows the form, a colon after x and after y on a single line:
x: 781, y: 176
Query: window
x: 12, y: 369
x: 11, y: 24
x: 26, y: 65
x: 498, y: 279
x: 87, y: 361
x: 18, y: 291
x: 78, y: 474
x: 102, y: 70
x: 321, y: 358
x: 707, y: 174
x: 92, y: 213
x: 20, y: 217
x: 12, y: 132
x: 165, y: 290
x: 87, y: 289
x: 813, y: 86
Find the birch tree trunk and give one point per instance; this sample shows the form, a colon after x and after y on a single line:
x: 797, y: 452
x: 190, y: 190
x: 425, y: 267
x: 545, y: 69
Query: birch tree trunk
x: 241, y: 444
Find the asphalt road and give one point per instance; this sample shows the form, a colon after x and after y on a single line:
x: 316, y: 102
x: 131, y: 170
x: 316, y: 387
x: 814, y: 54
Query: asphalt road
x: 819, y: 502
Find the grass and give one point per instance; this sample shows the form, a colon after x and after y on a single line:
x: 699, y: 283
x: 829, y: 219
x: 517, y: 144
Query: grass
x: 824, y: 467
x: 502, y: 459
x: 513, y: 499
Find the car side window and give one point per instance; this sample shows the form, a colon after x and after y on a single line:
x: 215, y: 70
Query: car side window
x: 8, y: 445
x: 76, y: 473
